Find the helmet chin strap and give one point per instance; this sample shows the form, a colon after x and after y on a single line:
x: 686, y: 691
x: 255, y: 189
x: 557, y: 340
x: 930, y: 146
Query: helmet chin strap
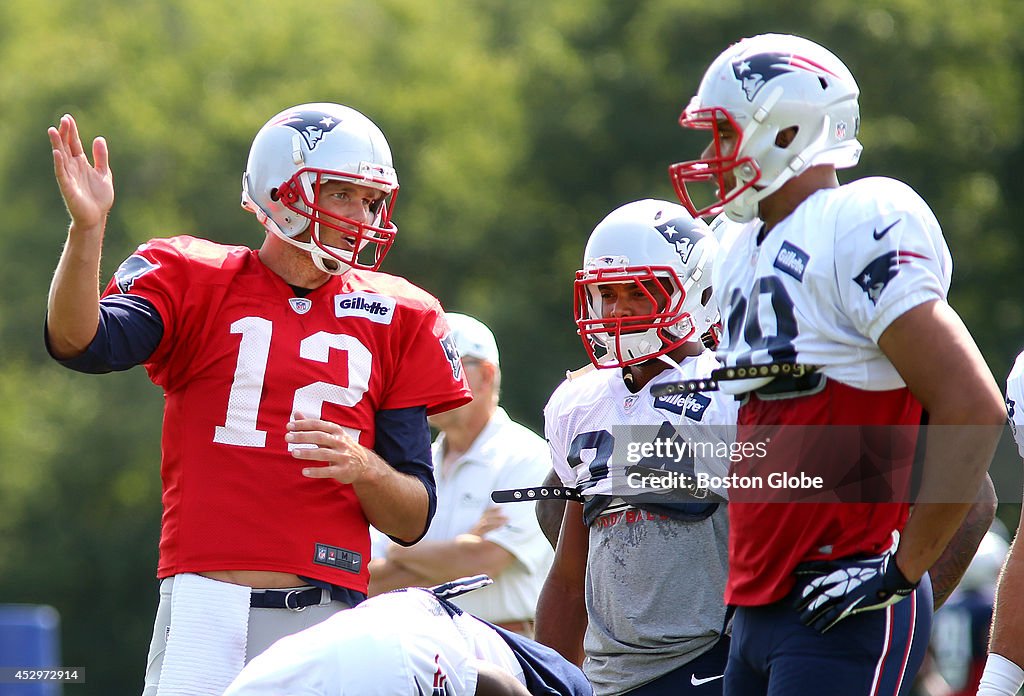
x: 744, y: 207
x: 324, y: 262
x: 630, y: 351
x: 673, y: 364
x: 679, y: 369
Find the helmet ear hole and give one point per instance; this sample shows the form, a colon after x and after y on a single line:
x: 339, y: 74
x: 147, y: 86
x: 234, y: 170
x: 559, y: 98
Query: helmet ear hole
x: 275, y: 194
x: 786, y: 136
x: 705, y: 297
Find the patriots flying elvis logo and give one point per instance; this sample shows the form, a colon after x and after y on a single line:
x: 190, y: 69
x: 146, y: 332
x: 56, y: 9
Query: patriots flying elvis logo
x: 452, y: 353
x: 680, y: 233
x: 131, y: 269
x: 753, y: 72
x: 312, y: 125
x: 877, y: 274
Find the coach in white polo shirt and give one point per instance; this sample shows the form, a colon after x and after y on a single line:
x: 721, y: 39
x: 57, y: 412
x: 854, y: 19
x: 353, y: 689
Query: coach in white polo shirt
x: 479, y: 449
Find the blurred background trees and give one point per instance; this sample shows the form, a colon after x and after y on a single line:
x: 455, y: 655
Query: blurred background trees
x: 516, y: 127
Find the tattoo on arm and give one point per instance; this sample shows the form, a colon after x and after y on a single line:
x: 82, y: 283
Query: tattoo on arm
x: 952, y: 564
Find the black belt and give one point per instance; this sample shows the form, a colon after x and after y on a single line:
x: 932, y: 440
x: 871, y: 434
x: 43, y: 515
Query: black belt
x: 813, y: 381
x: 795, y: 376
x: 295, y: 600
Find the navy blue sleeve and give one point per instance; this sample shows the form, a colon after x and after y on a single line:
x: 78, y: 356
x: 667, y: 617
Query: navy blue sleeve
x: 130, y: 330
x: 546, y: 672
x: 403, y: 441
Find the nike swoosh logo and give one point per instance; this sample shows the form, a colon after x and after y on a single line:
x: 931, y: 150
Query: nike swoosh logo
x: 878, y: 235
x: 696, y: 681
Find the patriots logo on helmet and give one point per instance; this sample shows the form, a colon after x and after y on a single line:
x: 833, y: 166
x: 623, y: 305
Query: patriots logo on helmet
x: 131, y: 269
x: 877, y: 274
x: 312, y: 125
x: 755, y: 71
x: 680, y: 233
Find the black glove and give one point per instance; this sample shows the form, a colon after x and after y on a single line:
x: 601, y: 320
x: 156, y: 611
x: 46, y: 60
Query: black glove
x: 833, y: 590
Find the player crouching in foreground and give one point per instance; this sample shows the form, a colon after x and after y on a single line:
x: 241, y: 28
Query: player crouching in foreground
x: 410, y: 641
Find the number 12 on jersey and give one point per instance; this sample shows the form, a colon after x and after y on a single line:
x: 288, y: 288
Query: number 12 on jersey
x: 250, y: 371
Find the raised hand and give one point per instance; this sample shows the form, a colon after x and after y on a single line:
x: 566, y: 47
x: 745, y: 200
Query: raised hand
x: 88, y: 190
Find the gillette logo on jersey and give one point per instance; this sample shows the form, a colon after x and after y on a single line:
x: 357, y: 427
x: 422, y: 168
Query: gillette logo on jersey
x: 792, y: 260
x: 690, y: 405
x: 754, y: 72
x: 377, y: 308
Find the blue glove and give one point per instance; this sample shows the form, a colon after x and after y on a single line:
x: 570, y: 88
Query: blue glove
x: 833, y: 590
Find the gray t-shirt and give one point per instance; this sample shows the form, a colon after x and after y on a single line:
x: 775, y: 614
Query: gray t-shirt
x: 655, y: 586
x: 654, y: 595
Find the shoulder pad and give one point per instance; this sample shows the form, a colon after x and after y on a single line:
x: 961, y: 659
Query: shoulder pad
x: 573, y: 374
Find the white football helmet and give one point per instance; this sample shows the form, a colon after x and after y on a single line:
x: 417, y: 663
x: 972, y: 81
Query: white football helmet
x: 762, y: 86
x: 297, y: 151
x: 648, y: 240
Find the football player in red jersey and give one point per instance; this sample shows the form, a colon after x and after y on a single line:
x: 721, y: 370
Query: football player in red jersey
x: 297, y: 382
x: 832, y: 597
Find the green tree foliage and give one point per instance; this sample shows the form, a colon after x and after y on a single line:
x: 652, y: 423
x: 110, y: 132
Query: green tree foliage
x: 516, y: 127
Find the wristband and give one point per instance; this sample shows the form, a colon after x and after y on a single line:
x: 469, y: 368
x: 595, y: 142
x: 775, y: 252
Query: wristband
x: 1001, y: 677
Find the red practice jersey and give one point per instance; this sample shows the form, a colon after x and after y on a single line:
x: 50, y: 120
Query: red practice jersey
x: 820, y: 289
x: 240, y: 353
x: 767, y: 540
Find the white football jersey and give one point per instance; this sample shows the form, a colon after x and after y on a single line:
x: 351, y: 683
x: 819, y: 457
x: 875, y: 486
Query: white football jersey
x: 596, y: 427
x: 1015, y: 402
x: 829, y: 279
x: 396, y: 643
